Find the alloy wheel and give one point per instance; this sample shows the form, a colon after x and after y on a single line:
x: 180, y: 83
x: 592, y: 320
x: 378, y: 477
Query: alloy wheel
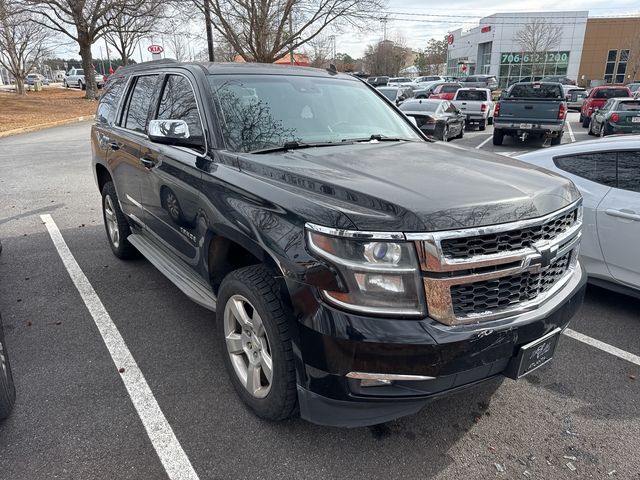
x: 112, y: 221
x: 173, y: 207
x: 248, y: 346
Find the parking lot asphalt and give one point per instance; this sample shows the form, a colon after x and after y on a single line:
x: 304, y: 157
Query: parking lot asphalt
x: 74, y: 418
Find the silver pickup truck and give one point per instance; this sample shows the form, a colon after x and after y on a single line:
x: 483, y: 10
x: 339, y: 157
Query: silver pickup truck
x: 476, y: 105
x: 531, y: 109
x: 75, y: 78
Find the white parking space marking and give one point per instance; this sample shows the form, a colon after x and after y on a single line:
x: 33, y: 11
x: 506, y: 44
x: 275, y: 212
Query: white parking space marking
x: 175, y: 461
x: 605, y: 347
x: 484, y: 142
x: 571, y: 135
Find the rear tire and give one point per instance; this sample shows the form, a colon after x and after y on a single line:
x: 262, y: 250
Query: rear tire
x: 556, y: 140
x: 81, y: 85
x: 585, y: 122
x: 590, y: 130
x: 482, y: 126
x: 445, y: 133
x: 7, y: 387
x: 116, y: 225
x: 252, y: 322
x: 498, y: 137
x: 490, y: 121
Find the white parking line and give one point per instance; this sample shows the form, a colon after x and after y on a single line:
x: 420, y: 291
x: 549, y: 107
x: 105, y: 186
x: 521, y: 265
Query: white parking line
x: 605, y: 347
x: 175, y: 461
x: 484, y: 142
x: 571, y: 135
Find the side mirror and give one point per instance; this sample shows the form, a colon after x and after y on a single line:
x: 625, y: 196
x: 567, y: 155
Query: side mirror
x: 172, y: 132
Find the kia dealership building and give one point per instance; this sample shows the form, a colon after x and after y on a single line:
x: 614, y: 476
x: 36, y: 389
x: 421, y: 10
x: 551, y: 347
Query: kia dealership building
x: 491, y: 48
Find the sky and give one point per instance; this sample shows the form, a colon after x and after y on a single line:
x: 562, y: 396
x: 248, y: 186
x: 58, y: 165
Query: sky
x: 417, y: 21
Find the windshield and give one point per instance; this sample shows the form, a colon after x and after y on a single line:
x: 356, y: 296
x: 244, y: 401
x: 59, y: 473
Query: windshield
x: 264, y: 111
x: 612, y: 93
x: 629, y: 106
x: 473, y: 95
x: 419, y: 106
x: 535, y: 90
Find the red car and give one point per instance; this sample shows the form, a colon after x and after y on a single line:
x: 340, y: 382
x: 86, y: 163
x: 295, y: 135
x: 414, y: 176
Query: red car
x: 597, y: 97
x: 446, y: 91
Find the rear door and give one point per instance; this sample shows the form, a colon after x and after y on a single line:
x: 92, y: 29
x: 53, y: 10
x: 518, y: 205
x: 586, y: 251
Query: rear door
x: 124, y: 143
x: 619, y: 221
x: 172, y: 177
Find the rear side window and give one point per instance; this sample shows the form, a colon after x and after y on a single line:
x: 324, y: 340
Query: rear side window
x: 473, y: 95
x: 629, y: 171
x: 629, y: 106
x: 597, y: 167
x: 178, y: 102
x: 108, y: 106
x: 525, y: 90
x: 450, y: 89
x: 139, y: 103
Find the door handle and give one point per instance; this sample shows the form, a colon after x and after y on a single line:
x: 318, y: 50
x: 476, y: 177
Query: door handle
x: 630, y: 215
x: 114, y: 145
x: 147, y: 162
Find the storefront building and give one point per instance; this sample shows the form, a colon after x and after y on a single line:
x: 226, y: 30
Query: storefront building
x: 499, y: 46
x: 611, y: 52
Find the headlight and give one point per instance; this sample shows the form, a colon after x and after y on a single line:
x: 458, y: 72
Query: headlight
x: 379, y: 276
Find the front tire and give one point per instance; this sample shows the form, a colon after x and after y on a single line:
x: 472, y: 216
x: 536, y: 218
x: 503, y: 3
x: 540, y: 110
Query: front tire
x: 7, y: 387
x: 253, y: 327
x: 116, y: 224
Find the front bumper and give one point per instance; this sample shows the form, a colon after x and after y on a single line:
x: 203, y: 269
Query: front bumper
x: 334, y: 343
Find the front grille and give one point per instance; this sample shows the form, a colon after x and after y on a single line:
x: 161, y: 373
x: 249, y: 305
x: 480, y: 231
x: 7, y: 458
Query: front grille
x: 491, y: 296
x: 493, y: 243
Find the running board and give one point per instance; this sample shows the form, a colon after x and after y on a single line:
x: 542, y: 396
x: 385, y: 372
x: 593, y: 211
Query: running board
x: 183, y: 278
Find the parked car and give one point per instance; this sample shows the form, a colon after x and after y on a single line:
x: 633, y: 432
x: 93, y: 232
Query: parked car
x: 530, y: 109
x: 445, y: 91
x: 536, y: 78
x: 439, y: 119
x: 399, y: 81
x: 575, y: 97
x: 396, y: 94
x: 476, y: 105
x: 597, y: 97
x: 429, y: 78
x: 378, y: 81
x: 634, y: 87
x: 33, y: 77
x: 480, y: 81
x: 75, y: 78
x: 7, y: 386
x: 607, y: 173
x: 333, y: 240
x: 618, y: 115
x: 559, y: 79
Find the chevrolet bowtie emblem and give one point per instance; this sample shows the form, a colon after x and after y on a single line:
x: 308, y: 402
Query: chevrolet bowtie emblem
x: 547, y: 254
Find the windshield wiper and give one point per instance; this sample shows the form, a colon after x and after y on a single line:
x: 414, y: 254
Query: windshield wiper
x: 295, y: 145
x: 379, y: 138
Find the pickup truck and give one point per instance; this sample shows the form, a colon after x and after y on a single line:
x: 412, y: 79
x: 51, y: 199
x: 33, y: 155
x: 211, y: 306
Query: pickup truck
x: 476, y: 105
x: 596, y: 99
x: 530, y: 109
x: 75, y: 77
x: 480, y: 81
x: 356, y: 269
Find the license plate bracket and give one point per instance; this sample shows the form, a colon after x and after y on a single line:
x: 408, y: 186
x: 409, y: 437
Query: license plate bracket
x: 526, y: 126
x: 533, y: 355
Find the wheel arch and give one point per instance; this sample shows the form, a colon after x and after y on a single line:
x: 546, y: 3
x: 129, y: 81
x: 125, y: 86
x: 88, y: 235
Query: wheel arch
x: 102, y: 176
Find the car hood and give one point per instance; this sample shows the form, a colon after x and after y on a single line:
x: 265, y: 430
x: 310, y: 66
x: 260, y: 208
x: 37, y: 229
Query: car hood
x: 413, y: 186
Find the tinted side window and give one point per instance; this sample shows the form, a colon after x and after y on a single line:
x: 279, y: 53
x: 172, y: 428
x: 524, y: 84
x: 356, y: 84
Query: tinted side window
x: 108, y: 106
x: 597, y: 167
x: 179, y: 103
x: 629, y: 171
x: 139, y: 103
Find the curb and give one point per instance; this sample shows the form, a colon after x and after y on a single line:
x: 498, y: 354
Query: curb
x: 42, y: 126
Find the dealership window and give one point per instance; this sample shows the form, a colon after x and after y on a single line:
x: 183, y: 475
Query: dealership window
x: 622, y: 66
x: 516, y: 66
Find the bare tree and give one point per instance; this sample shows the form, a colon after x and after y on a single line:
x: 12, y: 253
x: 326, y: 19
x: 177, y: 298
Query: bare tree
x: 319, y: 51
x: 386, y: 57
x: 633, y: 67
x: 267, y: 30
x: 84, y: 21
x: 536, y: 38
x: 23, y: 43
x: 127, y: 30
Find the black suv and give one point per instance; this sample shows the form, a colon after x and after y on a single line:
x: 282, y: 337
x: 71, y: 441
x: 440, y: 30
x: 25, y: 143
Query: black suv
x: 356, y: 268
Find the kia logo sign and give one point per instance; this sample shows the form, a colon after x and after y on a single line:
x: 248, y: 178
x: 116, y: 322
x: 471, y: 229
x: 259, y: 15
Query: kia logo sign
x: 155, y: 49
x: 485, y: 29
x: 450, y: 39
